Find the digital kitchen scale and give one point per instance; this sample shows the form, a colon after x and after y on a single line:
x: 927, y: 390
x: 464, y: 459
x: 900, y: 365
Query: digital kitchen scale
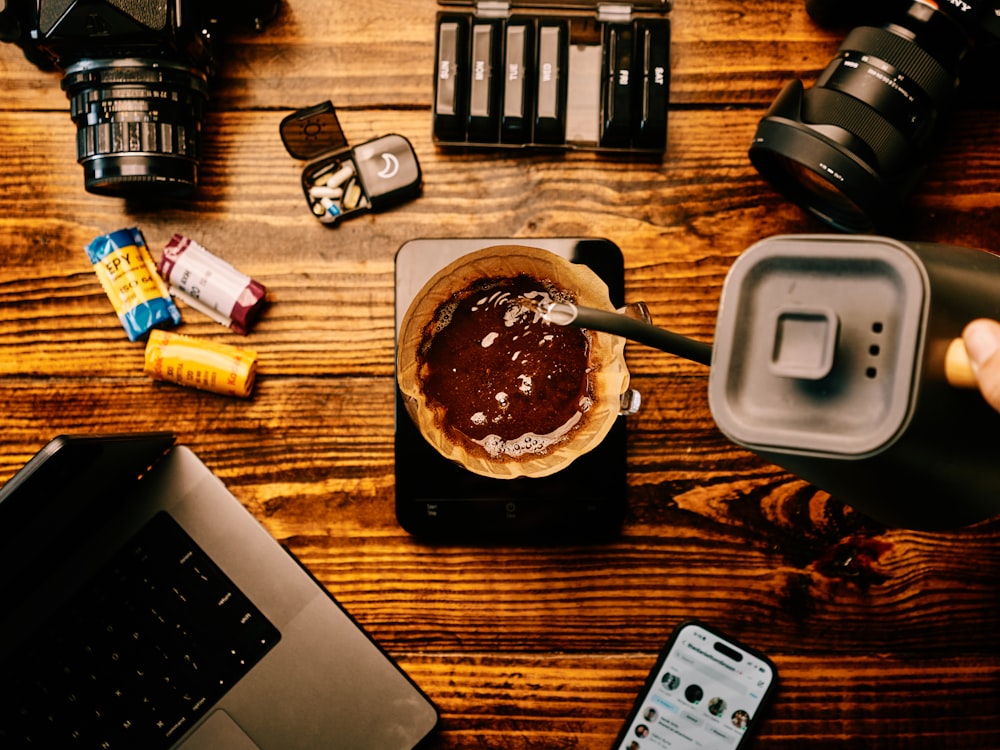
x: 437, y: 498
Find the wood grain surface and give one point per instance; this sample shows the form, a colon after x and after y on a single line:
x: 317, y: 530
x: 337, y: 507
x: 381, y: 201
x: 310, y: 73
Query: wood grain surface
x: 884, y: 638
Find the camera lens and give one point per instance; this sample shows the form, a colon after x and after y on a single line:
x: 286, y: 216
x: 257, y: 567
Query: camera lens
x: 850, y: 149
x: 138, y: 124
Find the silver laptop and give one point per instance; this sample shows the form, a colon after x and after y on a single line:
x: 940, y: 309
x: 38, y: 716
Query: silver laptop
x: 144, y: 607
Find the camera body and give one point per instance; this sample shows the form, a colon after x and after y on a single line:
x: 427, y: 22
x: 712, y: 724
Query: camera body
x: 852, y: 148
x: 136, y: 74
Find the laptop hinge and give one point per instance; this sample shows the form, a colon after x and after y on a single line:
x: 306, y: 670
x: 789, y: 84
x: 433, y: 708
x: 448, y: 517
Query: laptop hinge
x: 492, y: 9
x: 614, y: 12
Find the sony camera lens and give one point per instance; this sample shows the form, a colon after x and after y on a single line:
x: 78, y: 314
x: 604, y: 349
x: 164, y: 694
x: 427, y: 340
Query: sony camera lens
x: 852, y: 148
x: 138, y: 124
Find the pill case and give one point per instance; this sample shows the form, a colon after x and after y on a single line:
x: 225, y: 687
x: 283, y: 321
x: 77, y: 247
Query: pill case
x: 553, y: 75
x: 340, y: 181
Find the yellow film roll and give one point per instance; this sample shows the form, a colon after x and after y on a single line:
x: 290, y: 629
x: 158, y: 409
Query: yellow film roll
x: 206, y: 365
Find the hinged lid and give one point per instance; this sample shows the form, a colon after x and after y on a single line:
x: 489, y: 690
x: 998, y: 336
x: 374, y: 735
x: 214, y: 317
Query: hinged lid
x: 312, y: 131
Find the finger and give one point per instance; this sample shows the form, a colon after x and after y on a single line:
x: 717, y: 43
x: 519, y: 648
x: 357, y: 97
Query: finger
x: 982, y: 342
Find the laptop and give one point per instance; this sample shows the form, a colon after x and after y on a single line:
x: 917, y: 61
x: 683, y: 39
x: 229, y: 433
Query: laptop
x: 144, y: 607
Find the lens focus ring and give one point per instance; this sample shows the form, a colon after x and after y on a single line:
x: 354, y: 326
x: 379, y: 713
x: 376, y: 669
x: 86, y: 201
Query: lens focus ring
x: 903, y: 55
x: 108, y: 138
x: 874, y: 131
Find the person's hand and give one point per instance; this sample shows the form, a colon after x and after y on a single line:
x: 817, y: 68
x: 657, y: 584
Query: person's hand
x: 982, y: 342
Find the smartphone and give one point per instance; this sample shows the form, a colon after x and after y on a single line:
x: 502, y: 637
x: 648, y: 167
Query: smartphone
x: 706, y: 690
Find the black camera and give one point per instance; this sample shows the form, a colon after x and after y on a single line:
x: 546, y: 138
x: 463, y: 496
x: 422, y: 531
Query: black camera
x: 852, y: 148
x: 136, y: 74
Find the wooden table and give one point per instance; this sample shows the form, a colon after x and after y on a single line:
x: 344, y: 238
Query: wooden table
x: 884, y: 638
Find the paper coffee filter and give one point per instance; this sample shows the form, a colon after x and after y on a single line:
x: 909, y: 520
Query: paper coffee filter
x: 607, y: 357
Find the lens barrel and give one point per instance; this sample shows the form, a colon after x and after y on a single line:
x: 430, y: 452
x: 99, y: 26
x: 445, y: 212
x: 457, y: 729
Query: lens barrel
x: 853, y: 147
x: 138, y: 124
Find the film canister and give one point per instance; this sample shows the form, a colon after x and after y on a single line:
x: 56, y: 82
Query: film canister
x: 206, y: 365
x: 211, y: 285
x: 128, y: 275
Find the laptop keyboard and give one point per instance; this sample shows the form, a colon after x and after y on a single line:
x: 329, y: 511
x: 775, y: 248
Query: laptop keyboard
x: 139, y: 656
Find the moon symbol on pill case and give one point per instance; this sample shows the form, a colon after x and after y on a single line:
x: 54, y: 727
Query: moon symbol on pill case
x: 387, y: 165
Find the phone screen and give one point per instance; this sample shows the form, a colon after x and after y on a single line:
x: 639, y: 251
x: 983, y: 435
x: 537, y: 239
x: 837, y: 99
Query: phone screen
x: 704, y: 692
